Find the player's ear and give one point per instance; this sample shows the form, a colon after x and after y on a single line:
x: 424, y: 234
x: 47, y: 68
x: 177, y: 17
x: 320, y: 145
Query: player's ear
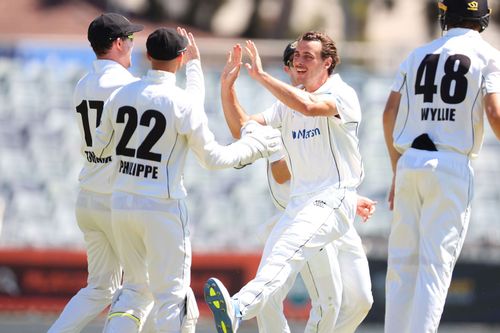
x: 119, y: 42
x: 328, y: 62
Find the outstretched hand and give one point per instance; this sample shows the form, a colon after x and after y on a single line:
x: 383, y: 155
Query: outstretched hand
x: 255, y: 67
x: 231, y: 70
x: 192, y: 51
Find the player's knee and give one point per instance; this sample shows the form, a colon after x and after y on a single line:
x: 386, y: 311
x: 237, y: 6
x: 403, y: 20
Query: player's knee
x: 362, y: 303
x: 326, y: 306
x: 98, y: 293
x: 365, y: 304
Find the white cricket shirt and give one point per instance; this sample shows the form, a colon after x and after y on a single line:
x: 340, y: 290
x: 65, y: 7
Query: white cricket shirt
x: 322, y: 151
x: 151, y: 124
x: 89, y: 96
x: 442, y: 86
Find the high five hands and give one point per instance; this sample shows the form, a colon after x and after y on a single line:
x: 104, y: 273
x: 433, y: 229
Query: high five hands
x: 234, y: 57
x: 231, y: 70
x: 254, y: 68
x: 192, y: 51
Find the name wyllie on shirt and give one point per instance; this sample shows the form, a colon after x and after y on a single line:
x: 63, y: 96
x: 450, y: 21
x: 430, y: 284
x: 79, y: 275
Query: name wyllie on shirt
x: 138, y: 170
x: 438, y: 114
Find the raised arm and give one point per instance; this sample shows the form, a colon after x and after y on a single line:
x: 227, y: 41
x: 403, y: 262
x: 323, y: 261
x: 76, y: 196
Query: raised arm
x: 233, y: 112
x: 294, y: 98
x: 195, y: 82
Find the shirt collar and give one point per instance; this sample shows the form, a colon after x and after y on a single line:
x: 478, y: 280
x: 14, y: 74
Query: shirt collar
x: 327, y: 86
x: 100, y: 65
x: 158, y: 76
x: 453, y: 32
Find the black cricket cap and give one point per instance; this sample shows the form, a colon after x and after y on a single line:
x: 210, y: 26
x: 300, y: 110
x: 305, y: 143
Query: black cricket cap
x: 288, y: 53
x: 456, y: 11
x: 165, y: 44
x: 474, y: 9
x: 110, y: 26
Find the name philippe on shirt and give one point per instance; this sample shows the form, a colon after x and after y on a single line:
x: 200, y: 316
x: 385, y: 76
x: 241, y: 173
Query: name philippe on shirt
x: 138, y: 170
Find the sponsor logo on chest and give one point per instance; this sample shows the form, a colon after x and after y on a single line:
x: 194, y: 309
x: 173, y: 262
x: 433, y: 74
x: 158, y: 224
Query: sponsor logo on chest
x: 305, y: 133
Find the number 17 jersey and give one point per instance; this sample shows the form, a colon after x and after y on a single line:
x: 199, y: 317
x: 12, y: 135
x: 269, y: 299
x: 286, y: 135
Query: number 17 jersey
x: 89, y: 96
x: 442, y: 85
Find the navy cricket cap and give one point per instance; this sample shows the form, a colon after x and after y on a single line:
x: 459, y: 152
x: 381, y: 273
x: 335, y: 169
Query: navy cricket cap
x: 165, y: 44
x: 110, y: 26
x: 288, y: 53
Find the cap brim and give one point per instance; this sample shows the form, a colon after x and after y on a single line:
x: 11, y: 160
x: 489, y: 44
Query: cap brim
x: 135, y: 28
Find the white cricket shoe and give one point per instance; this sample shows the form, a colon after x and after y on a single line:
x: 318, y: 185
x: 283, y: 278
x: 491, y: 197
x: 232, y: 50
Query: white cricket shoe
x: 221, y: 305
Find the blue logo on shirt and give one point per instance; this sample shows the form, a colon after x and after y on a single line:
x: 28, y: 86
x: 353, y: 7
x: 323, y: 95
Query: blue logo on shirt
x: 305, y: 134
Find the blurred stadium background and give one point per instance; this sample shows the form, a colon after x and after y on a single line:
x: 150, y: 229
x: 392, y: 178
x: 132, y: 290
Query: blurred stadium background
x: 44, y: 51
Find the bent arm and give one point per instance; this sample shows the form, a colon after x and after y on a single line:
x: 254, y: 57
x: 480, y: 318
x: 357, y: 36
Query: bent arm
x: 389, y: 121
x: 261, y: 142
x: 492, y: 109
x: 233, y: 112
x: 280, y: 172
x: 296, y: 99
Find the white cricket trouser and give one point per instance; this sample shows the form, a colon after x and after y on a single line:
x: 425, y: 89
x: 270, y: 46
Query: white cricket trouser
x: 433, y: 192
x: 352, y: 290
x: 357, y: 298
x: 93, y: 214
x: 309, y: 223
x: 153, y: 243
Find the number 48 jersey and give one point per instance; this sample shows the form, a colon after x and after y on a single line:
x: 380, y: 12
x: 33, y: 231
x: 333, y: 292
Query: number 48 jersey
x: 442, y: 85
x: 89, y: 96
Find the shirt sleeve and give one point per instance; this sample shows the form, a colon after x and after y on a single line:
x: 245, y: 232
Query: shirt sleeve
x: 400, y: 78
x: 195, y: 81
x: 492, y: 74
x: 348, y: 107
x: 191, y: 121
x: 346, y: 101
x: 273, y: 116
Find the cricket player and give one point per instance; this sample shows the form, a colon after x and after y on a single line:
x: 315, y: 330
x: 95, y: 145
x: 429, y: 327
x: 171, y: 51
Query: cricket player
x: 354, y: 298
x: 319, y: 131
x: 433, y: 126
x: 111, y: 37
x: 151, y: 124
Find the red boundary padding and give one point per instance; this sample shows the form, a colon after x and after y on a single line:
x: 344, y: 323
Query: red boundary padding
x: 44, y: 280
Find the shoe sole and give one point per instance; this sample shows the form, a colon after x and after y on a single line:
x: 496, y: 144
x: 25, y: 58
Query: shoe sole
x: 216, y: 302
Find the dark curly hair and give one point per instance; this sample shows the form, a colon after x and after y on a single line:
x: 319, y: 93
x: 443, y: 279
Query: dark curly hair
x: 328, y: 47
